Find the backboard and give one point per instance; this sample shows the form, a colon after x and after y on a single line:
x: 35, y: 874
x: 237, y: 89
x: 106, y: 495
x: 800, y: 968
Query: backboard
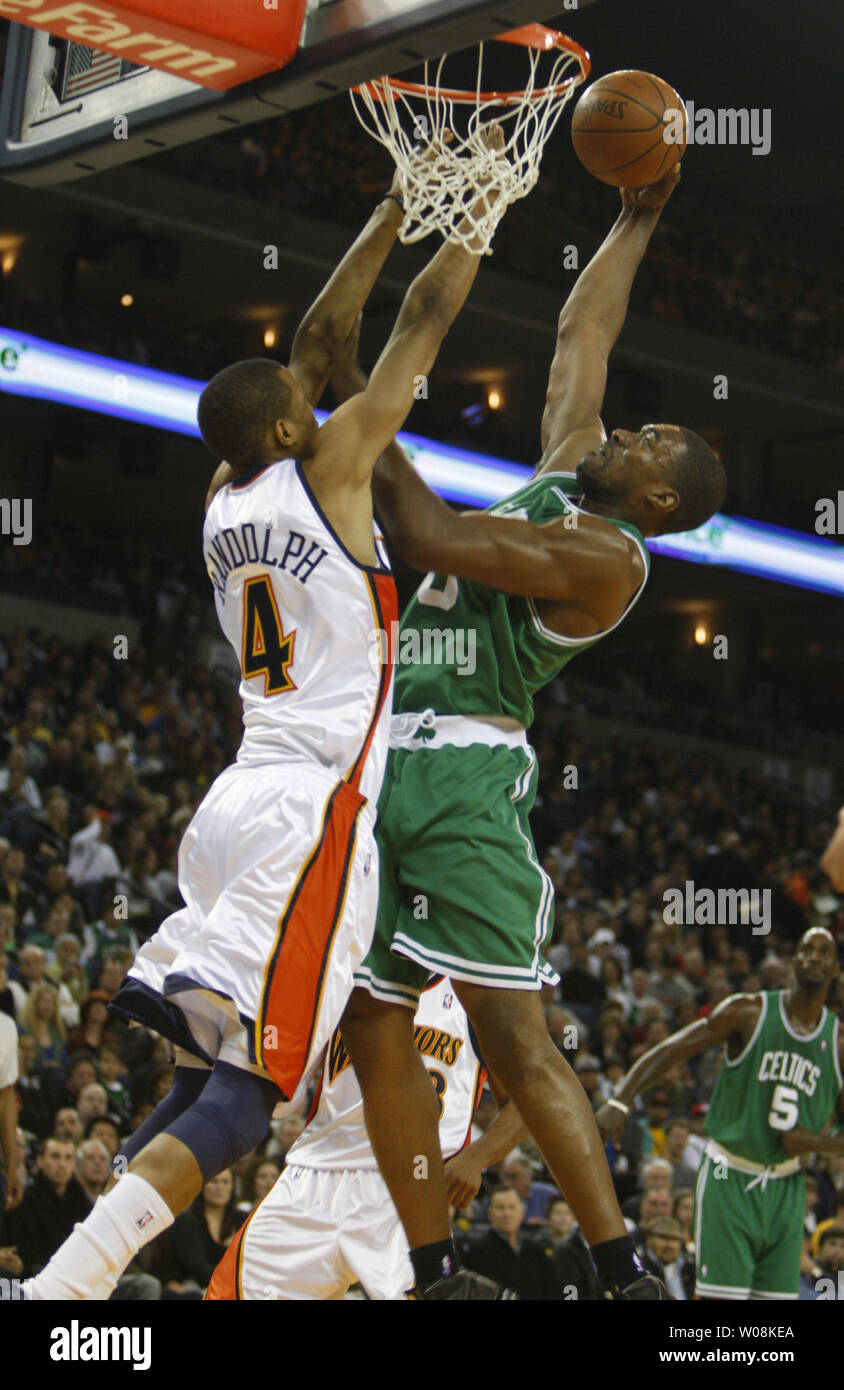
x: 61, y: 102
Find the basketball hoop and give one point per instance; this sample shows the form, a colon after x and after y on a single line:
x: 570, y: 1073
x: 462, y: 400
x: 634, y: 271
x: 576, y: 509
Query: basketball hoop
x: 441, y: 168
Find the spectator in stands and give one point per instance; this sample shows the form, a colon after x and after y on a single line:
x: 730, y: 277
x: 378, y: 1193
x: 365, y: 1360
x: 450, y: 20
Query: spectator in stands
x: 113, y: 1073
x: 53, y: 1202
x: 640, y: 995
x: 111, y: 975
x: 92, y: 859
x: 654, y: 1202
x: 285, y: 1133
x: 68, y: 971
x: 56, y: 891
x: 656, y: 1172
x: 665, y: 1257
x: 32, y: 970
x: 15, y: 782
x: 106, y: 1129
x: 518, y: 1173
x: 202, y: 1233
x: 668, y: 985
x: 824, y: 1280
x: 68, y: 1124
x: 93, y: 1166
x: 35, y: 1112
x: 683, y: 1212
x: 588, y: 1071
x: 93, y: 1030
x: 108, y: 937
x: 81, y: 1071
x: 54, y: 924
x: 8, y: 922
x: 657, y: 1105
x: 41, y: 1019
x: 559, y: 1219
x: 580, y: 990
x: 93, y: 1102
x: 502, y: 1253
x: 259, y: 1178
x: 677, y: 1135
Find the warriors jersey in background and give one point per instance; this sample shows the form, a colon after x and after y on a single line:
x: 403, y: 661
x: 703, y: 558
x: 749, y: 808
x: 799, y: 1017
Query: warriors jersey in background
x: 329, y: 1221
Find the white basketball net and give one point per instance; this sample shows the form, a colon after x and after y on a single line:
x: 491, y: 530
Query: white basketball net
x: 441, y: 178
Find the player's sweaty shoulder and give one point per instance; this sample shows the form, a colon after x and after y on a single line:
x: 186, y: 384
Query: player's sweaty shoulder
x: 735, y: 1018
x: 604, y: 570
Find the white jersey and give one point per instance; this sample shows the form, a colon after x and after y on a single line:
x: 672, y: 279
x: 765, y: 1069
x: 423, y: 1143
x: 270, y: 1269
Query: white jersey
x: 311, y: 628
x: 336, y: 1136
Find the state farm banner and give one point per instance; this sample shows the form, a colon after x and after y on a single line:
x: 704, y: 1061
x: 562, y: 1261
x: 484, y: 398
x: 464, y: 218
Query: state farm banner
x: 217, y: 43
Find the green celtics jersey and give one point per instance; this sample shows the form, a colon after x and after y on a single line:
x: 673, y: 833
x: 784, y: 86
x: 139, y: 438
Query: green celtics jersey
x: 780, y: 1080
x: 467, y: 649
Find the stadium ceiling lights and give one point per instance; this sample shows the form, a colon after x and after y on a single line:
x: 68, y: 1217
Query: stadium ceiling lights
x: 33, y: 367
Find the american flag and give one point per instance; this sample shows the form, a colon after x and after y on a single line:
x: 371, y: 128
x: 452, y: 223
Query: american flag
x: 87, y: 69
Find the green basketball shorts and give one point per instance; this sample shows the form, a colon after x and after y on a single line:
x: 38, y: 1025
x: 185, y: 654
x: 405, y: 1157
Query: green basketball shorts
x: 748, y: 1233
x: 461, y: 889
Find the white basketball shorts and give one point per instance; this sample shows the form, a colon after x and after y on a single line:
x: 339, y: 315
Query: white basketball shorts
x: 279, y: 873
x: 314, y: 1235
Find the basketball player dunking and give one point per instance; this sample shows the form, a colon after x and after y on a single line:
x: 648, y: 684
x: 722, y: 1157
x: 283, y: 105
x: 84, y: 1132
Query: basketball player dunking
x: 278, y: 869
x: 779, y: 1086
x: 328, y: 1222
x: 537, y: 579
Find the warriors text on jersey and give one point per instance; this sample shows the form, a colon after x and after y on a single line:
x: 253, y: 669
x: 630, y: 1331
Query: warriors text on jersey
x: 513, y: 653
x: 336, y: 1136
x: 781, y: 1079
x: 302, y: 617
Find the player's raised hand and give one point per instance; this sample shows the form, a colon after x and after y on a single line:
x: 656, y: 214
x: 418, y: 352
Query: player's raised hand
x: 655, y: 196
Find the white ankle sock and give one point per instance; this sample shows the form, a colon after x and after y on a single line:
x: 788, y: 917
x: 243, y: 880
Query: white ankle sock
x: 92, y: 1259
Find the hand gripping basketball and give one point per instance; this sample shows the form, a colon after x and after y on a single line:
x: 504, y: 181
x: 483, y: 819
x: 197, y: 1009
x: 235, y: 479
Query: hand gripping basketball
x: 655, y: 196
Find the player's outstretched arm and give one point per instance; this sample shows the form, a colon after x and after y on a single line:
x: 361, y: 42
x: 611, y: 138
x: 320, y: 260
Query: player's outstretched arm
x: 732, y: 1020
x: 593, y: 564
x: 591, y: 320
x: 358, y: 431
x: 331, y: 317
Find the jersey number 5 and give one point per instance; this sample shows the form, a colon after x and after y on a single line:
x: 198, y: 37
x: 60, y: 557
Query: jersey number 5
x: 266, y: 651
x: 784, y: 1109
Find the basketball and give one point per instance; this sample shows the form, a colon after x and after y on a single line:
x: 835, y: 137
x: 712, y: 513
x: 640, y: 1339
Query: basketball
x: 619, y: 132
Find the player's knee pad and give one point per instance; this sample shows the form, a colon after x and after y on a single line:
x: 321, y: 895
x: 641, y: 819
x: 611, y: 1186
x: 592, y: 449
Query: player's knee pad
x: 187, y: 1087
x: 231, y: 1116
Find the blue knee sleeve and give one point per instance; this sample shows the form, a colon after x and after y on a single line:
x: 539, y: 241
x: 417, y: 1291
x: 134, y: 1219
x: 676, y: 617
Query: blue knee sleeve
x: 230, y: 1117
x: 188, y: 1083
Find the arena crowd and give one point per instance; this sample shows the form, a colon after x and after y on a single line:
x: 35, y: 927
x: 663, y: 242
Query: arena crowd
x: 102, y: 763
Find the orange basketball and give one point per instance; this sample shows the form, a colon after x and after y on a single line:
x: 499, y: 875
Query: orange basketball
x: 619, y: 131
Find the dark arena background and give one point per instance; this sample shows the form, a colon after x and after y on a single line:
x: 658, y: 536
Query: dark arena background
x: 699, y: 747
